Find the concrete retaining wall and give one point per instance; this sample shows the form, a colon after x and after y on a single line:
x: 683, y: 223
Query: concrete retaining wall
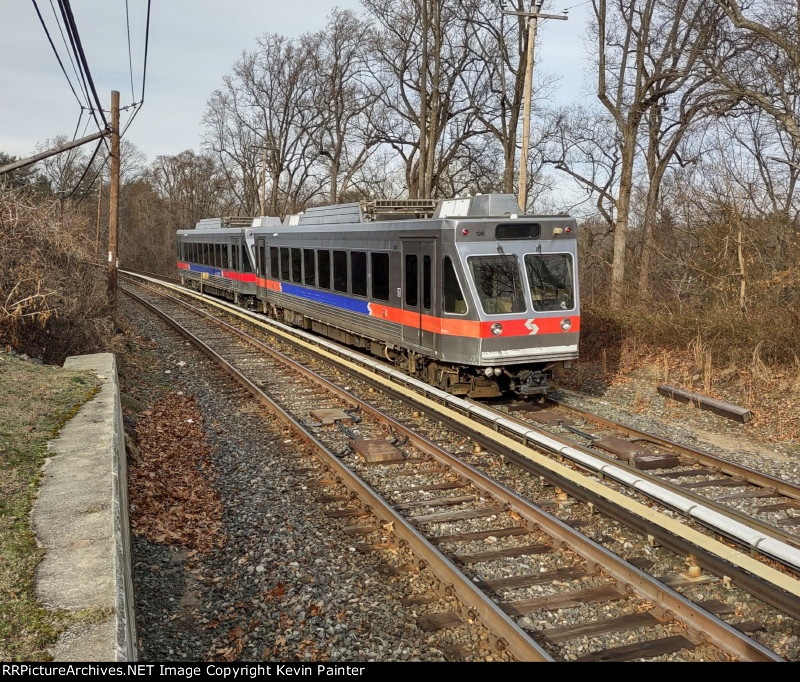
x: 81, y: 519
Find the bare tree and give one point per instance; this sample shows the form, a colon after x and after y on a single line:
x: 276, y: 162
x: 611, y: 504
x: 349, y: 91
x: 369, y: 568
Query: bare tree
x: 647, y: 50
x: 421, y: 50
x: 765, y: 65
x: 343, y: 97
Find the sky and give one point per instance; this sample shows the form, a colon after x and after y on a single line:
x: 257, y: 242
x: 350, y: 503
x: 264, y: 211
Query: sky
x: 193, y: 44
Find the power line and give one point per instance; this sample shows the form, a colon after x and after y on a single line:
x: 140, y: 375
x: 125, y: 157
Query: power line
x: 85, y: 171
x: 69, y: 53
x: 146, y: 45
x: 138, y: 105
x: 130, y: 58
x: 75, y: 39
x: 55, y: 51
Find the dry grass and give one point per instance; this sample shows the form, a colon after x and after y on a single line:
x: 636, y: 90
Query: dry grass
x: 747, y: 360
x: 52, y: 294
x: 34, y: 403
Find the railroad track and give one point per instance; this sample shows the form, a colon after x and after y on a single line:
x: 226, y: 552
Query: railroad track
x: 748, y: 507
x: 447, y: 511
x: 764, y: 502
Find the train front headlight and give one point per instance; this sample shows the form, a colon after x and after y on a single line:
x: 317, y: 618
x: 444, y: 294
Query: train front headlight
x: 497, y: 329
x: 566, y: 324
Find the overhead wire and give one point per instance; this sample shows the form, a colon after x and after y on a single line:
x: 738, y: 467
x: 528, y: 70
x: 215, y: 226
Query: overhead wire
x: 55, y: 51
x: 138, y: 105
x: 69, y: 54
x: 75, y: 39
x: 130, y: 57
x: 86, y: 170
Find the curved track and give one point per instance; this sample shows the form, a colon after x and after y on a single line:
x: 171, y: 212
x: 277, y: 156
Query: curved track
x: 433, y: 472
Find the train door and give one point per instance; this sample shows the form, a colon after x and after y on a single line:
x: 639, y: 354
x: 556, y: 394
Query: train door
x: 419, y: 265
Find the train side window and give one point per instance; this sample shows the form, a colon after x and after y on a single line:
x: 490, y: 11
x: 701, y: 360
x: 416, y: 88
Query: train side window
x: 263, y: 260
x: 246, y: 267
x: 308, y: 267
x: 453, y: 297
x: 224, y: 251
x: 411, y: 280
x: 340, y: 271
x: 206, y: 254
x: 380, y: 276
x: 274, y: 262
x: 297, y: 260
x: 215, y: 255
x: 358, y: 266
x: 234, y: 256
x: 426, y: 282
x: 324, y: 269
x: 285, y: 263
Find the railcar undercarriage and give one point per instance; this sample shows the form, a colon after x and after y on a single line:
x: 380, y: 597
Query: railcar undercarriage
x: 469, y: 381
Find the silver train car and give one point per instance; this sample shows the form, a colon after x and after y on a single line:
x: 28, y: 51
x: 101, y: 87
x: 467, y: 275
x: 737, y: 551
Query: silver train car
x: 466, y: 293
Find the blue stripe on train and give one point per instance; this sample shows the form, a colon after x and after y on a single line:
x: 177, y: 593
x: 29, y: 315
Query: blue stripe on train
x: 203, y: 268
x: 327, y: 297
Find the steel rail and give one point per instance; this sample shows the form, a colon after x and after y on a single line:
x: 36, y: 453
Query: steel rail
x: 785, y: 488
x: 509, y: 634
x: 702, y: 625
x: 679, y: 493
x: 756, y: 577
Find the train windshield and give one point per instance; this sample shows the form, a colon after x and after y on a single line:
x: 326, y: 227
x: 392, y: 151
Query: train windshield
x: 499, y: 284
x: 550, y: 280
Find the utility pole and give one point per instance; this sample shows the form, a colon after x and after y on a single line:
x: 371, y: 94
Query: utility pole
x: 262, y: 194
x: 113, y: 200
x: 533, y: 17
x: 97, y: 225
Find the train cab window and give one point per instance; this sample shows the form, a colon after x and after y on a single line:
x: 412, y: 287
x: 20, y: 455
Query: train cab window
x: 274, y: 263
x: 324, y: 269
x: 498, y: 282
x: 550, y: 280
x: 284, y: 263
x: 426, y: 282
x: 453, y: 297
x: 412, y: 294
x: 308, y: 267
x: 340, y: 271
x: 246, y: 267
x: 380, y: 276
x: 358, y: 266
x: 297, y: 264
